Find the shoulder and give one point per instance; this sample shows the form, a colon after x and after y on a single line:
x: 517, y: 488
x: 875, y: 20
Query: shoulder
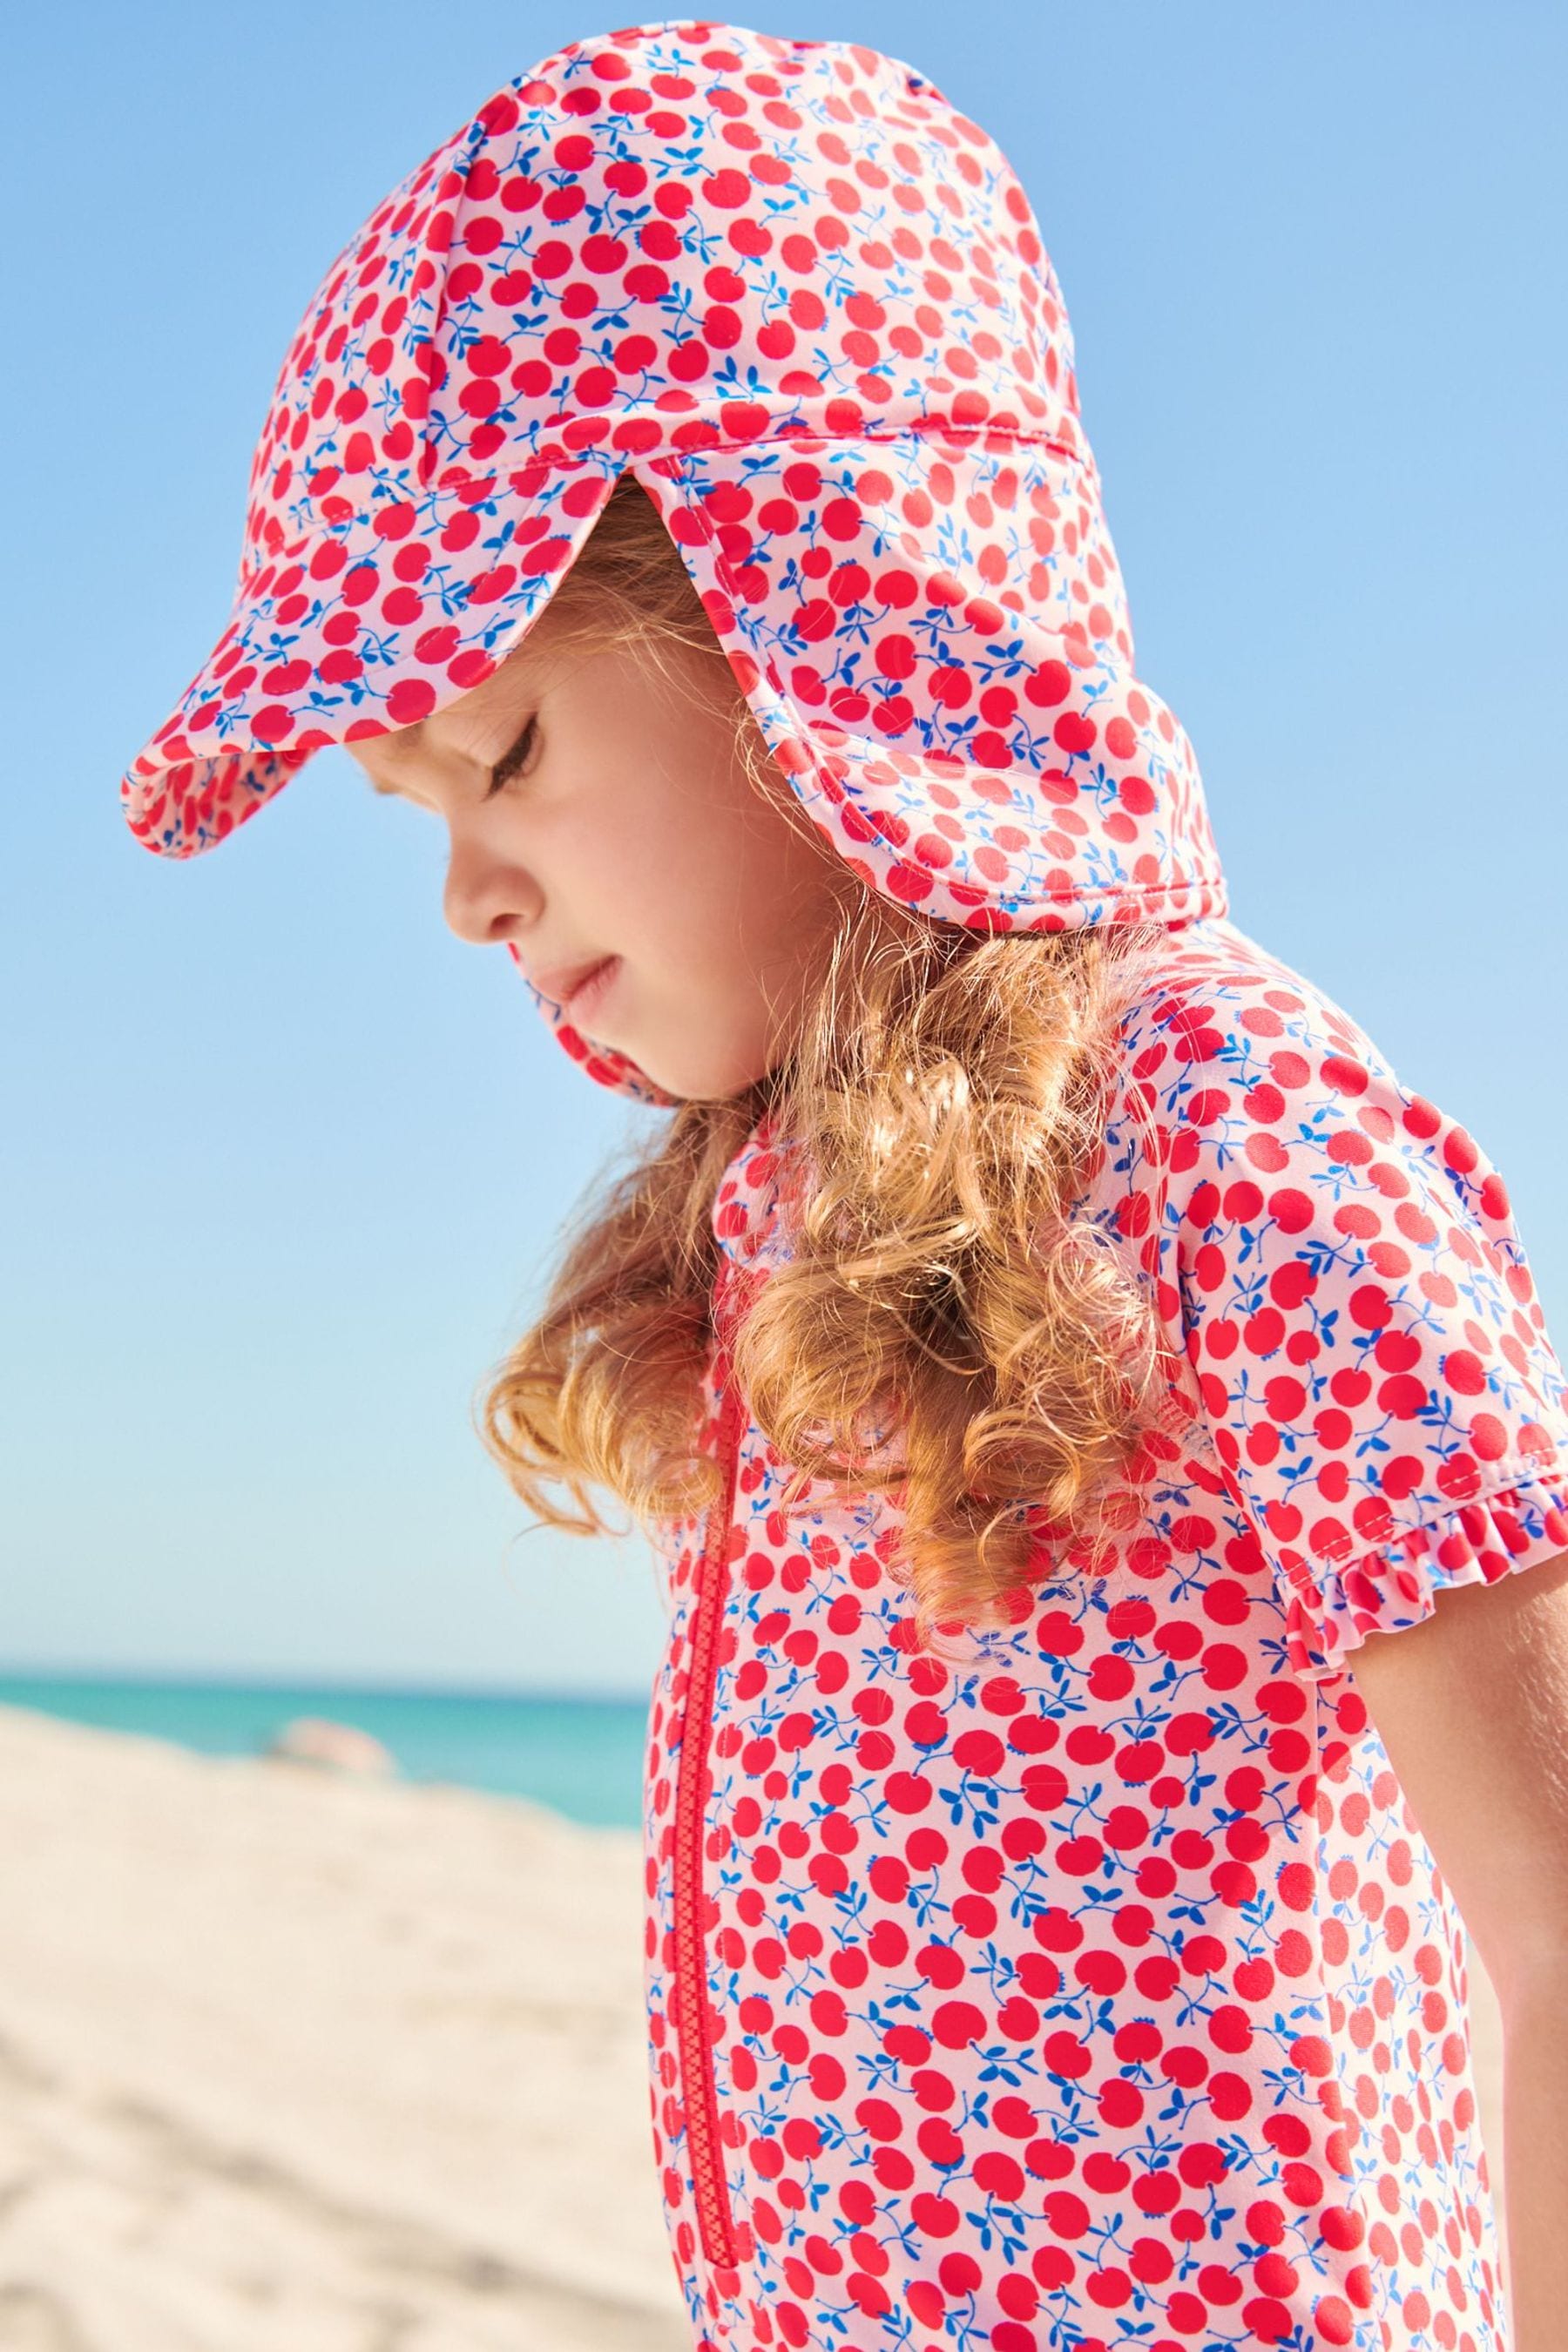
x: 1272, y: 1146
x: 1234, y: 1064
x: 1213, y: 1003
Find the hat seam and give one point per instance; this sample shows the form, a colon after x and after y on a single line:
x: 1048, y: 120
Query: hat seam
x: 366, y: 517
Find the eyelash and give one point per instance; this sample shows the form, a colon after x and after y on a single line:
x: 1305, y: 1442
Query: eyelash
x: 510, y: 761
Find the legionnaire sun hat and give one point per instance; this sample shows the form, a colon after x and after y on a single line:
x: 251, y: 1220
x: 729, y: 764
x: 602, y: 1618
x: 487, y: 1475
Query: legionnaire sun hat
x: 805, y: 300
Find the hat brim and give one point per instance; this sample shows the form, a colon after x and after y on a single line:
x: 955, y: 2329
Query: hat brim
x: 355, y: 633
x: 282, y: 683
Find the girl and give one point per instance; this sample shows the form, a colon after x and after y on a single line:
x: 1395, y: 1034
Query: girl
x: 1054, y: 1351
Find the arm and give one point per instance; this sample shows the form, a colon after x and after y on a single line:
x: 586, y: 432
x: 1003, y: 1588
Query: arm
x: 1471, y: 1705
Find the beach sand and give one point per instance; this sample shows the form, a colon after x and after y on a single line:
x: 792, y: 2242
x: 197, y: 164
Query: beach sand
x: 297, y: 2062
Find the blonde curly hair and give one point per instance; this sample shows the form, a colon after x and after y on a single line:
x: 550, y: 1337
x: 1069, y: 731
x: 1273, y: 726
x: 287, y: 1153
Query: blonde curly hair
x: 946, y: 1090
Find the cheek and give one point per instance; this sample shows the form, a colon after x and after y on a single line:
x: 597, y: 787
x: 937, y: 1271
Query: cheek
x: 671, y: 859
x: 655, y: 901
x: 670, y: 881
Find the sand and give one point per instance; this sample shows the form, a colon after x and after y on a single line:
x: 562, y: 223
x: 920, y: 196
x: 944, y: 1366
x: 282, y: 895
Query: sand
x: 297, y: 2062
x: 290, y: 2060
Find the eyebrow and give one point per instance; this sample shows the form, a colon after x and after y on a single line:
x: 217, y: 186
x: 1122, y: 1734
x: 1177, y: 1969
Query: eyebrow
x: 410, y: 737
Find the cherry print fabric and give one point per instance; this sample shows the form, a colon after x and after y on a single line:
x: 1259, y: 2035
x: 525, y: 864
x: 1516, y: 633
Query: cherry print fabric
x: 1371, y: 1360
x: 1098, y: 1991
x: 1106, y: 1994
x: 806, y: 302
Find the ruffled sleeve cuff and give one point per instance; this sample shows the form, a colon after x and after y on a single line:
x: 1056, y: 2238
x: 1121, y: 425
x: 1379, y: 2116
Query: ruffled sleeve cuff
x: 1330, y: 1609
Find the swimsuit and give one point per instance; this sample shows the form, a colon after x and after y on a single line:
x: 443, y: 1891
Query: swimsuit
x: 1106, y: 1993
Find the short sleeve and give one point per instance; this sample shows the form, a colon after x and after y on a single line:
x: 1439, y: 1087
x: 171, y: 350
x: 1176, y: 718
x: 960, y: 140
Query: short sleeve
x: 1359, y: 1315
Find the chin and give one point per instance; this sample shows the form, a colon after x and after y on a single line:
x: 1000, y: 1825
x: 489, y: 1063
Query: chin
x: 694, y: 1077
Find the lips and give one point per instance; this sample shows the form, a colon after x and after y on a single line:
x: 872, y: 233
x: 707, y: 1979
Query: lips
x: 563, y: 981
x: 579, y: 989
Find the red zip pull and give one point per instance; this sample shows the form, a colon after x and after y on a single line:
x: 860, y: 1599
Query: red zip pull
x: 699, y: 2090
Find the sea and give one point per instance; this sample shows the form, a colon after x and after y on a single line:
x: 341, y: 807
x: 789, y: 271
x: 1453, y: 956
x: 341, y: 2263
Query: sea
x: 581, y: 1755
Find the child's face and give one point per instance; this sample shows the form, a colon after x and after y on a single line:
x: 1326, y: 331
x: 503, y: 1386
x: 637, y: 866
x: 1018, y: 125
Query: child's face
x: 628, y: 829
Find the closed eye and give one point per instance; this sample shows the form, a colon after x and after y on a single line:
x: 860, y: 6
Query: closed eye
x: 512, y: 759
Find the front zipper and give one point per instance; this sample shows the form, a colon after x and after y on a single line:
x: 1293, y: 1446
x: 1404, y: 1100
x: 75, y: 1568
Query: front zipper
x: 699, y: 2091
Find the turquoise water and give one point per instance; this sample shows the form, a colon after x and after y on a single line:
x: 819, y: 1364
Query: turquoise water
x: 583, y: 1756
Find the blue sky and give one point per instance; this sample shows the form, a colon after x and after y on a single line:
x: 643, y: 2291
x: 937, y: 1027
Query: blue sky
x: 286, y: 1164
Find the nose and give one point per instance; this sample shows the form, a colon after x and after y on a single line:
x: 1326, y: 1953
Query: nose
x: 487, y: 900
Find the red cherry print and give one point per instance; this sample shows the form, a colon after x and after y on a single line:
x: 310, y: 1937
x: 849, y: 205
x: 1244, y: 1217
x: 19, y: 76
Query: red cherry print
x: 997, y: 2000
x: 410, y: 701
